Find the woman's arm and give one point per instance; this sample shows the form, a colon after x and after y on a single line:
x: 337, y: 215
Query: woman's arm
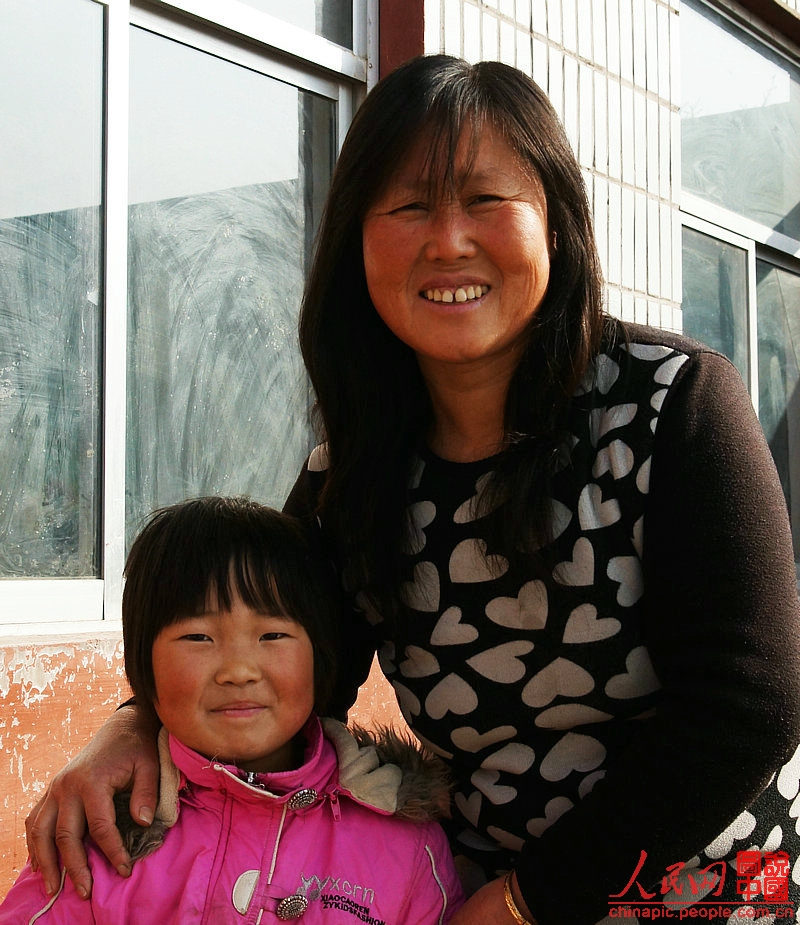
x: 722, y: 626
x: 122, y: 756
x: 489, y: 905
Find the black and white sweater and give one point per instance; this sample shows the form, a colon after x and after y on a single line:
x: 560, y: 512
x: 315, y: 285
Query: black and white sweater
x: 641, y: 697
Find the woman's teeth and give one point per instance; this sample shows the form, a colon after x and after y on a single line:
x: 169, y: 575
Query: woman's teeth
x: 462, y: 294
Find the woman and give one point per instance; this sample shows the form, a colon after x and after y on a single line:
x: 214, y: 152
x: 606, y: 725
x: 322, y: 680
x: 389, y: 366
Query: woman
x: 567, y: 534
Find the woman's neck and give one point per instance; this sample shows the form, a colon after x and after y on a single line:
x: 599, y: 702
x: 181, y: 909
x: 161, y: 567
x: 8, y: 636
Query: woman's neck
x: 468, y: 411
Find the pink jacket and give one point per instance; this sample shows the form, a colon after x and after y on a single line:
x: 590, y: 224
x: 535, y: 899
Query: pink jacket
x: 327, y: 843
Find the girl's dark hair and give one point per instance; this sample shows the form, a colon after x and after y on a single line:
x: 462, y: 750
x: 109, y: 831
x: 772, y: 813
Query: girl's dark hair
x: 372, y: 400
x: 210, y: 548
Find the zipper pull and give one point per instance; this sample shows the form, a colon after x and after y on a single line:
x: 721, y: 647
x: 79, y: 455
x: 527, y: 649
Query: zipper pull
x: 335, y: 809
x: 251, y: 778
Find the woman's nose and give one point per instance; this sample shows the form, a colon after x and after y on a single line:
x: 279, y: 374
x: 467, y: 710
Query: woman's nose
x: 449, y: 233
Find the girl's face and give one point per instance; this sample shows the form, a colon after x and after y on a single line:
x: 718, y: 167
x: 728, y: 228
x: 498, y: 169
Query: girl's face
x: 458, y: 279
x: 236, y: 685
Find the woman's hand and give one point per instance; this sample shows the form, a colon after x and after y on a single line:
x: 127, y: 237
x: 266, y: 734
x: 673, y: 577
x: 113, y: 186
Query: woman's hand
x: 122, y: 756
x: 489, y: 905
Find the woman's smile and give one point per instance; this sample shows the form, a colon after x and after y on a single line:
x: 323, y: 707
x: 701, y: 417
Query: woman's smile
x: 459, y: 294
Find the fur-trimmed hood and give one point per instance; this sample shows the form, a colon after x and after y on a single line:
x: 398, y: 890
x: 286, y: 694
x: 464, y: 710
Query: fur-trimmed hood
x: 383, y: 769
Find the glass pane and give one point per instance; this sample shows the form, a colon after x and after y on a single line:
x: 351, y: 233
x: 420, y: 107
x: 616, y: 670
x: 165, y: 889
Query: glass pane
x: 332, y: 19
x: 228, y: 173
x: 51, y: 71
x: 779, y: 378
x: 740, y: 122
x: 715, y: 295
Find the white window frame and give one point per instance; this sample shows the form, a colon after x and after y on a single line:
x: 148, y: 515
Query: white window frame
x: 236, y: 32
x: 724, y: 234
x: 755, y: 239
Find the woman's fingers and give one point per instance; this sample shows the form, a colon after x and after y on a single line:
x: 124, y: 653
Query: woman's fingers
x: 40, y: 828
x: 121, y: 756
x: 98, y: 804
x: 68, y: 838
x: 144, y: 795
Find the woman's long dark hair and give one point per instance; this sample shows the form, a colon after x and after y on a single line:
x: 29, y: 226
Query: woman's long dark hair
x: 373, y: 402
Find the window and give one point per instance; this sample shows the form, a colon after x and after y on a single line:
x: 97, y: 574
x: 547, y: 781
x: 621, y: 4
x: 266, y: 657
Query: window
x: 50, y: 288
x: 166, y: 179
x: 778, y: 326
x: 740, y: 176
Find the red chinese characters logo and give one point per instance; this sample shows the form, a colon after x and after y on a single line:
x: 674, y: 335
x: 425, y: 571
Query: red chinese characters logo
x: 700, y: 882
x: 761, y: 876
x: 766, y: 873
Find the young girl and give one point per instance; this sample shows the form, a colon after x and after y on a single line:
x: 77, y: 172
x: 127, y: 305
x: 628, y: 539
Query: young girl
x: 266, y: 813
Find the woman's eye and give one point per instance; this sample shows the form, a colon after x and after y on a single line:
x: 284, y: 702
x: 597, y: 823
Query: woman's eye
x: 409, y: 207
x: 484, y: 199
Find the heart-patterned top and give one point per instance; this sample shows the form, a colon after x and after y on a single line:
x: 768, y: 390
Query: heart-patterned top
x: 638, y: 696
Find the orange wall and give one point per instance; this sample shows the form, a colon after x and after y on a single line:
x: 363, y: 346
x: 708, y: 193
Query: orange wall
x: 54, y: 696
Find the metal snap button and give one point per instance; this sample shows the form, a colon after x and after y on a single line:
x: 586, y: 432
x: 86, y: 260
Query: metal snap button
x: 291, y: 907
x: 303, y: 798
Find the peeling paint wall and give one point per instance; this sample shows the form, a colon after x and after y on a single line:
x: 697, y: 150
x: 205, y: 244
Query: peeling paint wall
x: 376, y: 704
x: 53, y: 698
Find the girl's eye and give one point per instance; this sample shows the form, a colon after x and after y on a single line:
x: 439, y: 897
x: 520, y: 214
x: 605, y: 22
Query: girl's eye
x: 196, y: 637
x: 269, y: 637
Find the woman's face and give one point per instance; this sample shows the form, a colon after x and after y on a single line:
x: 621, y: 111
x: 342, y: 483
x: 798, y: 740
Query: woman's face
x: 458, y: 279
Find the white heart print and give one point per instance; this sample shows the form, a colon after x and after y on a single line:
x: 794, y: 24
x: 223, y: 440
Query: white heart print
x: 423, y: 592
x: 579, y: 571
x: 418, y: 663
x: 639, y: 679
x: 572, y: 752
x: 583, y: 625
x: 593, y: 512
x: 450, y: 631
x: 502, y: 663
x: 560, y: 678
x: 469, y: 563
x: 527, y: 611
x: 451, y: 695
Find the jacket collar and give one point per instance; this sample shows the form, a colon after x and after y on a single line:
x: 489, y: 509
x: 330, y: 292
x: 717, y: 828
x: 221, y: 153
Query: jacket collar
x: 317, y: 770
x: 384, y: 771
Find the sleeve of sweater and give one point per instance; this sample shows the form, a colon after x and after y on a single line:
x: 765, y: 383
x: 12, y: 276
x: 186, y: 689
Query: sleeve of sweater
x: 358, y: 644
x: 722, y: 624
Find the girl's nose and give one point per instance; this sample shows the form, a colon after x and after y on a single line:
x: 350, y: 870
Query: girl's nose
x: 237, y: 666
x: 449, y: 233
